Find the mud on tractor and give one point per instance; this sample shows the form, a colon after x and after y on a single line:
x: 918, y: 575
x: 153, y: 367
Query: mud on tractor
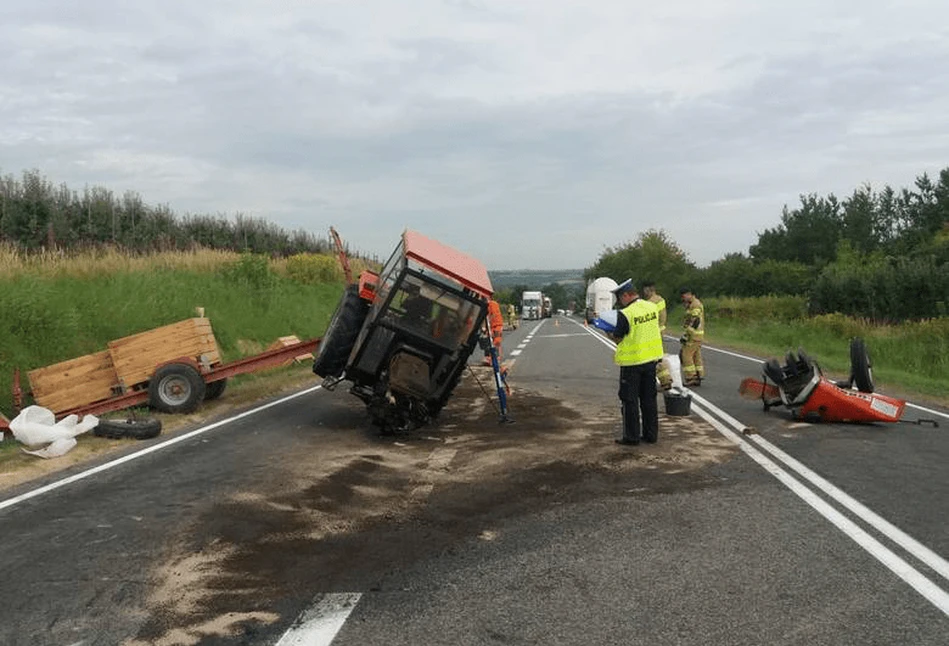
x: 403, y: 337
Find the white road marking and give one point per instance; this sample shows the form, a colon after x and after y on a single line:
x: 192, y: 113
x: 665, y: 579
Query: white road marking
x: 560, y: 336
x: 319, y: 624
x: 933, y: 593
x: 898, y: 536
x: 10, y: 502
x: 514, y: 353
x: 438, y: 460
x: 522, y: 346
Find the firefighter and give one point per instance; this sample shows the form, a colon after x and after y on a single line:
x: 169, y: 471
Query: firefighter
x: 663, y: 374
x: 693, y: 372
x: 496, y: 322
x: 638, y: 349
x: 512, y: 316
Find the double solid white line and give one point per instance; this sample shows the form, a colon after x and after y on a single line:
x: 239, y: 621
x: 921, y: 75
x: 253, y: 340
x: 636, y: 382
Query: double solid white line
x: 899, y: 566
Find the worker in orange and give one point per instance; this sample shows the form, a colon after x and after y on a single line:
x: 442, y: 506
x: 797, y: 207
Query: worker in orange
x: 496, y: 322
x: 693, y: 372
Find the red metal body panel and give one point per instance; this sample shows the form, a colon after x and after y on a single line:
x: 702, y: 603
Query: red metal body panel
x: 368, y: 283
x: 834, y: 404
x: 469, y: 271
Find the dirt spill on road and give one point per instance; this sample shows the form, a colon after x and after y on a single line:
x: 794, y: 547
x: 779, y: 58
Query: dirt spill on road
x: 370, y: 506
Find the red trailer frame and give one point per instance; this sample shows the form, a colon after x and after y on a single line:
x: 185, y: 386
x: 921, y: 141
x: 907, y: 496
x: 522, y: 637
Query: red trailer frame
x: 267, y: 359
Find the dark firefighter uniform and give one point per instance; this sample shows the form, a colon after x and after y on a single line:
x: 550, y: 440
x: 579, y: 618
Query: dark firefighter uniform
x: 638, y: 351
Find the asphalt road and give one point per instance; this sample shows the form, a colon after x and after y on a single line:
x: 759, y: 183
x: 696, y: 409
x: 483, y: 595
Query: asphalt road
x: 297, y: 524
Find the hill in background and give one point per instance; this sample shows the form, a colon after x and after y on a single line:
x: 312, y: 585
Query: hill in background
x: 536, y: 278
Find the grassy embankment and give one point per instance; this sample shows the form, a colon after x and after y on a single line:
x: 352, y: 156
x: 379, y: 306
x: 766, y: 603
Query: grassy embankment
x: 908, y: 358
x: 57, y: 307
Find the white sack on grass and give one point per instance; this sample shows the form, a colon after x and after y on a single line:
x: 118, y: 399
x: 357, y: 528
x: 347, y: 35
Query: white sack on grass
x: 60, y: 447
x: 37, y: 425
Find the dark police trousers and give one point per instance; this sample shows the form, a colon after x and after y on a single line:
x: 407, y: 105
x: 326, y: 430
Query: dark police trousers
x: 637, y: 392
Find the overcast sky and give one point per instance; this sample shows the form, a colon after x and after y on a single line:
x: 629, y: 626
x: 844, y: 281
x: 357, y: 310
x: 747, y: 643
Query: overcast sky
x: 529, y: 133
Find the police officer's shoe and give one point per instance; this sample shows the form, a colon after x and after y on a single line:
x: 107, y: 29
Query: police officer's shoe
x: 627, y: 442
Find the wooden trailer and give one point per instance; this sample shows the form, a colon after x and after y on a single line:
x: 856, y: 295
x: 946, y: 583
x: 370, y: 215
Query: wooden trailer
x: 172, y: 368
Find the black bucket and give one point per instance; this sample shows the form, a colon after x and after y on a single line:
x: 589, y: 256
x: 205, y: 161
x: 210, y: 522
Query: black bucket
x: 677, y: 405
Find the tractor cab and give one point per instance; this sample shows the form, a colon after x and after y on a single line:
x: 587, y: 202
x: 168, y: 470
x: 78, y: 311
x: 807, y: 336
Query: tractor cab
x: 404, y: 343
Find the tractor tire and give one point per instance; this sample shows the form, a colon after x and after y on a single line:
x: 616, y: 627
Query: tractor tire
x: 215, y: 389
x: 136, y: 429
x: 340, y: 337
x: 861, y: 370
x: 176, y: 388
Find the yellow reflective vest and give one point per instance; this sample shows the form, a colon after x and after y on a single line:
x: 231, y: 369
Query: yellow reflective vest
x: 643, y: 343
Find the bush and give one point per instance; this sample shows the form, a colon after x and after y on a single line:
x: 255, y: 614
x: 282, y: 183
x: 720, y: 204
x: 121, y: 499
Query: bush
x: 889, y: 290
x: 251, y: 270
x: 312, y: 269
x: 780, y: 308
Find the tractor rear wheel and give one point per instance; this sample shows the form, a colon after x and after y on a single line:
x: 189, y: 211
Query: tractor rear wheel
x: 340, y: 337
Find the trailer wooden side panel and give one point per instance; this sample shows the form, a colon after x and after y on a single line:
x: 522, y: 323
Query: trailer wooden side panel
x: 72, y: 383
x: 135, y: 357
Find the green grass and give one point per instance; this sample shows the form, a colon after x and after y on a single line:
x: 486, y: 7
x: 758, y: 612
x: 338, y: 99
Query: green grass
x: 908, y: 358
x: 50, y: 317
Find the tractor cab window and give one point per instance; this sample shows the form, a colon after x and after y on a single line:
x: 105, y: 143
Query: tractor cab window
x: 431, y: 310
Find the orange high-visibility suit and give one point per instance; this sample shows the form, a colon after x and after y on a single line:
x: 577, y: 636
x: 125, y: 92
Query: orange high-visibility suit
x: 496, y: 322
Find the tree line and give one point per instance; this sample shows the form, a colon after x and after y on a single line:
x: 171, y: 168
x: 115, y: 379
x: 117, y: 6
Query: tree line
x: 36, y: 214
x: 882, y: 255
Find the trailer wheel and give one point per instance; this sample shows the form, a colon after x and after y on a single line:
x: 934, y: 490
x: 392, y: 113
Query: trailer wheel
x: 861, y: 371
x: 136, y: 429
x: 215, y: 389
x: 341, y: 334
x: 176, y: 388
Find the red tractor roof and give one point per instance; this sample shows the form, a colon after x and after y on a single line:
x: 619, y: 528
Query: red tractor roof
x: 449, y: 261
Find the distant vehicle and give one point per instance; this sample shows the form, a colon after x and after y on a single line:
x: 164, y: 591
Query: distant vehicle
x: 561, y: 312
x: 532, y: 304
x: 600, y: 297
x: 548, y: 307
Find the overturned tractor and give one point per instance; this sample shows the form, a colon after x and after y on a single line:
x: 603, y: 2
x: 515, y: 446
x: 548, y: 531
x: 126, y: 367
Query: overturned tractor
x: 403, y: 337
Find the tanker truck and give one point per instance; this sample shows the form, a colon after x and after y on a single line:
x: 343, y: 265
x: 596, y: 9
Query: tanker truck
x: 600, y: 297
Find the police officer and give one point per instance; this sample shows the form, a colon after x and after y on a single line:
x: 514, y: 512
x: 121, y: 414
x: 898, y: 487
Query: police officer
x: 639, y: 348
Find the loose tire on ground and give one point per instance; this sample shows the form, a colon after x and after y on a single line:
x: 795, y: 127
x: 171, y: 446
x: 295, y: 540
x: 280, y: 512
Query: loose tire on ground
x: 861, y: 370
x: 341, y: 334
x: 136, y: 429
x: 176, y: 388
x: 215, y: 389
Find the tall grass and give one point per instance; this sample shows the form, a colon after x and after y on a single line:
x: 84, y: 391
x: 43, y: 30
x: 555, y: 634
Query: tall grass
x: 56, y: 307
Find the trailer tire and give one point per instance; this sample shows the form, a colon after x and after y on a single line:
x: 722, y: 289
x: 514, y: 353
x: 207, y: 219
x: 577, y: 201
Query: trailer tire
x: 215, y: 389
x: 340, y: 337
x: 861, y: 370
x: 136, y: 429
x: 176, y: 388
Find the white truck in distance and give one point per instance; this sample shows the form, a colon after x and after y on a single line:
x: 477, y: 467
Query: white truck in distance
x: 532, y: 304
x: 600, y: 297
